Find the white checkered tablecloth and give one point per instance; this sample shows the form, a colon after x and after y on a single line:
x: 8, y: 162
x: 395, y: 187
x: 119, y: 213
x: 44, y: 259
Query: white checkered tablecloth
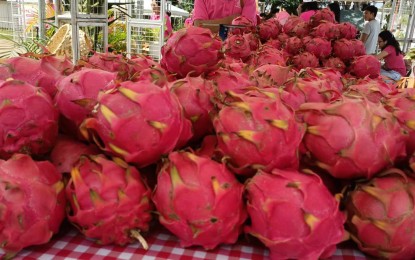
x: 70, y: 244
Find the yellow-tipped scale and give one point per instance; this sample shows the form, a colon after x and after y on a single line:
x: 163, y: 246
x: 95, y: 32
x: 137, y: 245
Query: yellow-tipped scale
x: 281, y: 124
x: 130, y: 94
x: 108, y: 114
x: 311, y: 220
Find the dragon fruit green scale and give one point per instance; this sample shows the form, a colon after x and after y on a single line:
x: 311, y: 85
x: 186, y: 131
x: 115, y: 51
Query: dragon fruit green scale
x: 199, y: 200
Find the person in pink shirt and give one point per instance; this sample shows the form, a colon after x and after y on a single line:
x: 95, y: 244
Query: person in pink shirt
x: 394, y: 65
x: 306, y: 10
x: 282, y: 16
x: 168, y: 29
x: 189, y: 20
x: 211, y: 13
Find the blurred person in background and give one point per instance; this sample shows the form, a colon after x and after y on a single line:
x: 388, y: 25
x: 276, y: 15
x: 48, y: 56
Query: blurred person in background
x: 394, y: 64
x: 168, y: 29
x: 211, y: 13
x: 371, y: 30
x: 335, y: 8
x: 189, y: 20
x: 307, y: 9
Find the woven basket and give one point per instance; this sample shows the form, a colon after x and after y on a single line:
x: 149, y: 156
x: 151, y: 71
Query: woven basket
x: 61, y: 42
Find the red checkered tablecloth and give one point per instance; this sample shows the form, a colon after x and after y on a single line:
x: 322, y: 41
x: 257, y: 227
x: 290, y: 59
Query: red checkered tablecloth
x: 70, y: 244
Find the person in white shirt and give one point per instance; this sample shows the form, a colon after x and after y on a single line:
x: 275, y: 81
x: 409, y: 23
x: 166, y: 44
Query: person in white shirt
x: 371, y: 30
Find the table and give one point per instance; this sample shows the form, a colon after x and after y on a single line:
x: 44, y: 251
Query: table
x: 70, y: 244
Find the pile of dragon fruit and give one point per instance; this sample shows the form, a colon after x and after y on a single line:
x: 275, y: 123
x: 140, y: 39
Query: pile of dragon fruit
x: 286, y: 134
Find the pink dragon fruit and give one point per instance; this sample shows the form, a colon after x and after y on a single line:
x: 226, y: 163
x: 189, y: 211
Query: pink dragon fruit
x: 344, y: 50
x: 282, y: 37
x: 267, y: 55
x: 347, y: 30
x: 77, y: 96
x: 270, y: 75
x: 109, y: 202
x: 191, y: 50
x: 253, y: 40
x: 32, y: 203
x: 352, y: 137
x: 245, y: 23
x: 310, y: 89
x: 273, y: 43
x: 149, y: 123
x: 28, y: 120
x: 335, y: 63
x: 291, y: 22
x: 333, y: 77
x: 402, y: 106
x: 366, y: 65
x: 358, y: 47
x: 326, y: 30
x: 268, y: 29
x: 293, y: 45
x: 255, y: 132
x: 321, y: 15
x: 67, y: 152
x: 381, y: 215
x: 194, y: 97
x: 374, y: 90
x: 301, y: 29
x: 199, y: 200
x: 237, y: 47
x: 43, y: 73
x: 320, y: 47
x: 304, y: 60
x: 294, y: 215
x: 224, y: 81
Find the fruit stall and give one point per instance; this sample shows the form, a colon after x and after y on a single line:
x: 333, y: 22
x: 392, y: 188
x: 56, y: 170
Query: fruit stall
x: 278, y: 141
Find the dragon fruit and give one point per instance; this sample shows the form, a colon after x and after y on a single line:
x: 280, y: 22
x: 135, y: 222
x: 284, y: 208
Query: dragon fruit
x: 237, y: 47
x: 67, y: 152
x: 32, y: 203
x: 310, y: 89
x: 343, y: 49
x: 366, y: 65
x: 43, y: 73
x: 224, y: 80
x: 271, y: 75
x: 258, y: 133
x: 352, y: 137
x: 333, y: 77
x: 149, y: 123
x: 269, y: 29
x: 301, y: 29
x: 335, y: 63
x: 194, y: 97
x: 293, y: 45
x: 77, y: 94
x: 358, y: 47
x: 402, y: 104
x: 273, y: 43
x: 199, y: 200
x: 347, y: 30
x: 304, y: 60
x: 294, y: 215
x: 324, y: 14
x: 267, y: 55
x: 326, y: 30
x: 373, y: 89
x: 381, y: 215
x: 28, y: 120
x: 253, y: 40
x: 109, y: 202
x: 191, y: 50
x: 320, y: 47
x: 291, y: 22
x: 245, y: 23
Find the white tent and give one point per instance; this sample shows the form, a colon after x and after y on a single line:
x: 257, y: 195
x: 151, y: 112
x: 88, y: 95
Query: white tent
x: 175, y: 11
